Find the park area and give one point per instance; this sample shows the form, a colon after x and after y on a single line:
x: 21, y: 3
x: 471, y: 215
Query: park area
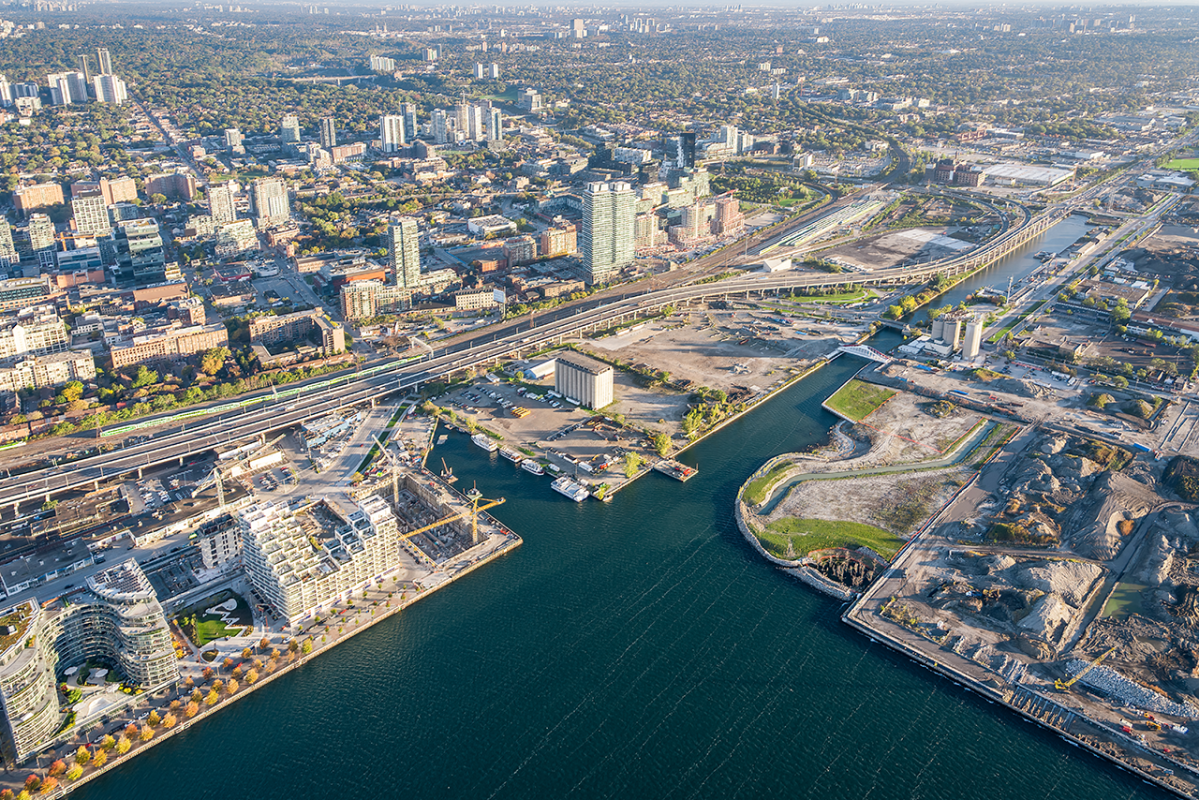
x: 223, y: 614
x: 791, y: 538
x: 1185, y: 164
x: 857, y: 400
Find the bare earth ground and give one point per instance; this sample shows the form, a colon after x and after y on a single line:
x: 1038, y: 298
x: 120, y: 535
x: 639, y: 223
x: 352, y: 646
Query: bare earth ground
x: 909, y: 433
x: 890, y: 248
x: 872, y: 500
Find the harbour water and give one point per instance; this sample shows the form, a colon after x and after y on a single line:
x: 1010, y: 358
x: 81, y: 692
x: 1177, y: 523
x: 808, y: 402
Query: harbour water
x: 630, y: 649
x: 1017, y: 265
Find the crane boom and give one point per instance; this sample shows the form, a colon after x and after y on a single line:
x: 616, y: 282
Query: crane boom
x: 1063, y: 685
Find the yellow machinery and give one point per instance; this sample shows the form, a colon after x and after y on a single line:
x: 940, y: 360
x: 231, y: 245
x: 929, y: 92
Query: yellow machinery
x: 1064, y: 685
x: 473, y: 512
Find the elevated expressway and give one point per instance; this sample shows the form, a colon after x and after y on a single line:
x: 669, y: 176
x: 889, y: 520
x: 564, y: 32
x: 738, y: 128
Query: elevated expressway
x: 266, y: 412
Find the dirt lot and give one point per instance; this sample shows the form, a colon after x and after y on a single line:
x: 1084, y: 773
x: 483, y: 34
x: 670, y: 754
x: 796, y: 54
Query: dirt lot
x: 726, y: 350
x: 905, y: 431
x: 894, y: 247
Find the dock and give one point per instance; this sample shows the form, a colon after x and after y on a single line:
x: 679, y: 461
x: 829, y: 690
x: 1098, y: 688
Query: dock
x: 680, y: 472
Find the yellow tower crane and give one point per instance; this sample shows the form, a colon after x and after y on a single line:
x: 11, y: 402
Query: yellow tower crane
x: 1064, y: 685
x: 472, y: 512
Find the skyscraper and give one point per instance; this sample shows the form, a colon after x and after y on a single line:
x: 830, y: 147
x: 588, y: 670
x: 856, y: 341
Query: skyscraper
x: 328, y: 133
x: 234, y: 138
x: 85, y: 68
x: 403, y: 252
x: 440, y: 133
x: 495, y: 125
x: 609, y: 211
x: 221, y: 204
x: 289, y: 131
x: 91, y: 213
x: 408, y: 112
x: 269, y: 196
x: 103, y: 61
x: 391, y: 133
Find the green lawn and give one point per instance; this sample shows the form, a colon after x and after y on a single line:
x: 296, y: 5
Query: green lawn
x: 790, y: 538
x: 857, y: 400
x: 1125, y: 600
x: 841, y: 298
x: 1183, y: 163
x: 758, y: 488
x: 209, y: 626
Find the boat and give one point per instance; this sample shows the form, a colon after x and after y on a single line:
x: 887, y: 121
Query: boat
x: 680, y: 472
x: 485, y: 441
x: 574, y: 491
x: 442, y: 439
x: 512, y: 455
x: 530, y: 465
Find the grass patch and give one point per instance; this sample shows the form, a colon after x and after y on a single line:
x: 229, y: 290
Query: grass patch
x: 841, y: 298
x: 1183, y: 163
x: 1126, y: 599
x: 202, y: 627
x: 857, y: 400
x: 1006, y: 329
x: 757, y: 489
x: 985, y: 375
x: 790, y: 538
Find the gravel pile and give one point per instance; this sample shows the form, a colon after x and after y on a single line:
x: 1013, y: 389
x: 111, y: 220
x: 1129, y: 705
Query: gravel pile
x: 1115, y: 685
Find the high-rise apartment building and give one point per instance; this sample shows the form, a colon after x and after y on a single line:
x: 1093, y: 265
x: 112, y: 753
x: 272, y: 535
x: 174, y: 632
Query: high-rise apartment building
x: 85, y: 68
x: 495, y: 125
x: 8, y: 250
x: 470, y: 121
x: 29, y: 198
x: 289, y: 131
x: 39, y: 234
x: 234, y: 138
x: 408, y: 112
x: 403, y: 252
x: 67, y: 88
x: 103, y: 61
x: 441, y: 133
x: 91, y: 213
x: 328, y: 133
x: 109, y: 89
x: 609, y: 211
x: 221, y: 204
x: 391, y: 134
x: 269, y: 196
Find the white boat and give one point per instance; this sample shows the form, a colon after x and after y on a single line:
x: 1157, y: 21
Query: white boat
x: 485, y: 441
x: 574, y: 491
x: 532, y: 466
x: 512, y: 455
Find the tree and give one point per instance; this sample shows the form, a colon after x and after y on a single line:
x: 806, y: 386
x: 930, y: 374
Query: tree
x: 100, y: 758
x: 306, y: 648
x: 144, y: 377
x: 292, y: 646
x: 1120, y: 382
x: 76, y: 771
x: 169, y: 720
x: 57, y: 767
x: 71, y: 392
x: 83, y: 756
x: 191, y: 709
x: 49, y: 785
x: 107, y: 743
x: 147, y: 733
x: 212, y: 697
x: 661, y: 442
x: 264, y: 645
x: 154, y: 719
x: 218, y: 685
x: 1120, y: 314
x: 131, y: 730
x: 232, y: 686
x: 252, y: 677
x: 123, y: 745
x: 213, y: 360
x: 632, y: 463
x: 158, y: 199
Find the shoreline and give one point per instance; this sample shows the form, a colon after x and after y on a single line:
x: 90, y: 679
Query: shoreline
x: 164, y: 734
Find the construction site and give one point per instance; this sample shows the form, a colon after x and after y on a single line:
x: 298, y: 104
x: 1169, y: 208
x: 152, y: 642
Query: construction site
x: 1060, y: 580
